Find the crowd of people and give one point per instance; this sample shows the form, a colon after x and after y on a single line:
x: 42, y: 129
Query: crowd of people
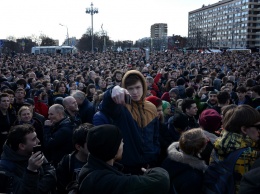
x: 127, y: 122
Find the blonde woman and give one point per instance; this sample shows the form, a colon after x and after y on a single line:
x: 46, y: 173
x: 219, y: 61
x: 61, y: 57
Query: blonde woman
x: 25, y: 116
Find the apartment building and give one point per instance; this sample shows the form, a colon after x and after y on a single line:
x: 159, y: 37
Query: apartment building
x: 159, y: 30
x: 225, y: 24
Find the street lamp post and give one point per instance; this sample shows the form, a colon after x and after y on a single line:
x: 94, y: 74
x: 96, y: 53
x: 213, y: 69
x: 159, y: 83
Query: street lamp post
x: 104, y: 35
x: 92, y: 11
x: 67, y: 34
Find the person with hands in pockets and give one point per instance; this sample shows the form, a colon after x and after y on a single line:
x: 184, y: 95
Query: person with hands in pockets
x: 137, y: 119
x: 30, y: 172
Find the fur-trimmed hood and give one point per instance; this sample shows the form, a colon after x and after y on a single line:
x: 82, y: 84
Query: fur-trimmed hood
x: 178, y: 156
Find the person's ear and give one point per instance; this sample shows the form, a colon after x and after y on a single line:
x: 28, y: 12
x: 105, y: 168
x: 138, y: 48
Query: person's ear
x: 21, y: 146
x: 243, y: 130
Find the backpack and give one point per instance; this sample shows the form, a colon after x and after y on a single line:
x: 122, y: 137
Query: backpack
x: 219, y: 178
x: 74, y: 186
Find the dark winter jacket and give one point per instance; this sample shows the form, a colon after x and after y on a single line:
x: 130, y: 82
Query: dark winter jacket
x: 247, y: 101
x: 255, y: 102
x: 192, y: 122
x: 100, y: 119
x: 181, y: 89
x: 25, y: 181
x: 250, y: 183
x: 97, y: 177
x: 58, y: 140
x: 75, y: 120
x: 55, y: 95
x: 86, y: 111
x: 67, y: 171
x: 139, y: 125
x: 6, y: 121
x: 185, y: 171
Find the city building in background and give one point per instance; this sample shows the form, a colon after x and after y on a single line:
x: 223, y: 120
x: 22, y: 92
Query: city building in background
x: 57, y: 42
x: 159, y: 30
x: 71, y: 42
x: 159, y: 33
x: 225, y: 24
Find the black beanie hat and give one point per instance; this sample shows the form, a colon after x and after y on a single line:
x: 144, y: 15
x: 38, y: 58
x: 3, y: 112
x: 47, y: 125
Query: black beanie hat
x: 103, y: 141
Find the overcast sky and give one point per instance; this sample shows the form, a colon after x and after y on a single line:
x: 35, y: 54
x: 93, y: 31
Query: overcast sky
x: 122, y: 19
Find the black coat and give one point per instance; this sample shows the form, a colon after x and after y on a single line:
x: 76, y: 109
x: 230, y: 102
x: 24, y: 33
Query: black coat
x: 250, y: 183
x: 67, y: 171
x: 6, y: 121
x: 86, y: 111
x: 186, y: 172
x: 58, y: 140
x: 25, y: 181
x: 97, y: 177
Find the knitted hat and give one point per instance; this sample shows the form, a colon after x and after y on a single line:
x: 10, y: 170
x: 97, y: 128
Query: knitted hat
x: 165, y: 104
x: 103, y: 141
x: 210, y: 120
x: 174, y: 90
x: 155, y: 100
x: 166, y: 97
x: 180, y: 121
x: 58, y: 100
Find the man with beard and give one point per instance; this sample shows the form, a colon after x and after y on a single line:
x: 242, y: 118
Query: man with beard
x: 223, y: 100
x: 72, y: 110
x: 210, y: 103
x: 117, y: 78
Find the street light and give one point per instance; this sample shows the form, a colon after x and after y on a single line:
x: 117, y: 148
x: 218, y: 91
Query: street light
x: 104, y: 34
x: 92, y: 11
x: 67, y: 33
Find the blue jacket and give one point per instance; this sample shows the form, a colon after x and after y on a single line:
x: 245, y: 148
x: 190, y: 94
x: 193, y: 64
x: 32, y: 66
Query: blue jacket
x: 139, y: 125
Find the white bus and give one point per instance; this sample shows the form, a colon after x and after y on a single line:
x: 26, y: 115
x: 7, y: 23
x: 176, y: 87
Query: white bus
x: 53, y: 49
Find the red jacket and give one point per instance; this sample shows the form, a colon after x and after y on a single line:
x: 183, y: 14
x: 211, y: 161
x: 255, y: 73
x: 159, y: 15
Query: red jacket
x: 40, y: 107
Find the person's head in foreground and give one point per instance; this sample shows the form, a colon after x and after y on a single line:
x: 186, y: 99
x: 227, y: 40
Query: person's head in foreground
x: 243, y: 120
x: 105, y: 143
